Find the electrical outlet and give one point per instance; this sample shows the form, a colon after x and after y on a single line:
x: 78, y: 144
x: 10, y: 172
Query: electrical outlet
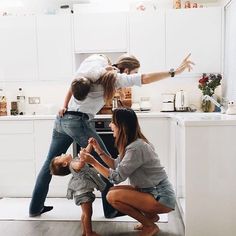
x: 34, y: 100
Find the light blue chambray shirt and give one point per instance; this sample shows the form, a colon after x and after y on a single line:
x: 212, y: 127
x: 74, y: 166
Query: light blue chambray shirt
x: 140, y: 164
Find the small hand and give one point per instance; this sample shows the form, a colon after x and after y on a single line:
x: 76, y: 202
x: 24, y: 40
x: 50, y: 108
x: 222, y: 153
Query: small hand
x: 186, y: 64
x: 62, y: 111
x: 95, y: 144
x: 86, y: 157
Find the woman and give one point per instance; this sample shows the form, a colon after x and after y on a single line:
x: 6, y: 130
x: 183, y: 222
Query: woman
x: 74, y: 125
x: 137, y: 161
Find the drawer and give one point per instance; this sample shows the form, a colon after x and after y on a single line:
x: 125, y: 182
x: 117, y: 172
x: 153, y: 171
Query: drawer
x: 16, y: 147
x: 16, y: 127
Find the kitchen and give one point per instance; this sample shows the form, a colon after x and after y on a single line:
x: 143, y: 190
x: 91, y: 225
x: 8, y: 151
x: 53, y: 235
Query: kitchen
x: 54, y: 43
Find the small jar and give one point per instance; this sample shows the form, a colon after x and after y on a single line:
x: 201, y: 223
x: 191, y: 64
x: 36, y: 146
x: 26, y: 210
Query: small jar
x: 187, y: 4
x: 177, y: 4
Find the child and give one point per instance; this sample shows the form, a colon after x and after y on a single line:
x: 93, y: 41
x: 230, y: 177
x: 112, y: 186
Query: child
x: 80, y: 187
x: 89, y: 71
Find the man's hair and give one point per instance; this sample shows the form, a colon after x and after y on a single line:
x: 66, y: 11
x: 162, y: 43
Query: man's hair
x: 80, y: 88
x: 58, y: 168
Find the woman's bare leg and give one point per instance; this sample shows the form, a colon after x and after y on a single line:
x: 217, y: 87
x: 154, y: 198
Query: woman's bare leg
x: 131, y: 202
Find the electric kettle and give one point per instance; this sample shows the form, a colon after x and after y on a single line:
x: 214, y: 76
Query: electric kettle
x: 181, y: 101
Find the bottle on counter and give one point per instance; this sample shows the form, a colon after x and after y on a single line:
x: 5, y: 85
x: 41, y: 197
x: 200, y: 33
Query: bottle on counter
x: 21, y: 102
x: 3, y: 103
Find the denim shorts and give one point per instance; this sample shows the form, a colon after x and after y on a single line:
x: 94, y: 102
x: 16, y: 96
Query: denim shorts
x: 163, y: 193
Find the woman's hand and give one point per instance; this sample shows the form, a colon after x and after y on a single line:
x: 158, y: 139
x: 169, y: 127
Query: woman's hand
x: 86, y: 157
x: 62, y: 111
x: 186, y: 64
x: 95, y: 145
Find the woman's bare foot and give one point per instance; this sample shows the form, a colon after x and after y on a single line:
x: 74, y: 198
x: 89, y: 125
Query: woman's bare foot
x: 153, y: 218
x: 149, y: 230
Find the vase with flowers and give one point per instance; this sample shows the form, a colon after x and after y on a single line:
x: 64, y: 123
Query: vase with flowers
x: 208, y: 84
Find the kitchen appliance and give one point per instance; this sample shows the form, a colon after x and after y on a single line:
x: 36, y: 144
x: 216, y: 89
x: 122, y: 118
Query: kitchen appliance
x: 168, y: 100
x: 181, y: 101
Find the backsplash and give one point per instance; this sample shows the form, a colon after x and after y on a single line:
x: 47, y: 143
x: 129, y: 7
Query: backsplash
x: 52, y: 93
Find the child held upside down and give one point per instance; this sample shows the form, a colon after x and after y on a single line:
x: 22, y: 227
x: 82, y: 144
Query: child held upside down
x: 81, y: 185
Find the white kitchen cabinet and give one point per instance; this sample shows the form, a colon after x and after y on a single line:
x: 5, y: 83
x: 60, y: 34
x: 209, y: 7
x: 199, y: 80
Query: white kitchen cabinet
x: 156, y: 130
x: 205, y: 176
x: 100, y: 32
x: 147, y: 39
x: 18, y: 48
x: 196, y: 31
x: 55, y: 47
x: 17, y: 170
x: 43, y: 135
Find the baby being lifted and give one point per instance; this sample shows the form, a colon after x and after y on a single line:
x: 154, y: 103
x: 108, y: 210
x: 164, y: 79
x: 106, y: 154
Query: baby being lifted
x: 81, y: 185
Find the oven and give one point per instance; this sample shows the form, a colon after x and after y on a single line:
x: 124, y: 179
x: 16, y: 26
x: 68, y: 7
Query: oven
x: 101, y: 126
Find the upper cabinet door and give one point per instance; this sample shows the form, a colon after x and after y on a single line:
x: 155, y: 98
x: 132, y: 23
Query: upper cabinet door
x: 147, y: 39
x: 18, y: 48
x: 100, y: 32
x: 198, y: 31
x: 55, y: 52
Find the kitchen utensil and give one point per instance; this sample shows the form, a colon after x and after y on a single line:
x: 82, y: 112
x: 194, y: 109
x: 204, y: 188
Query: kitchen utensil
x: 181, y: 101
x: 145, y: 104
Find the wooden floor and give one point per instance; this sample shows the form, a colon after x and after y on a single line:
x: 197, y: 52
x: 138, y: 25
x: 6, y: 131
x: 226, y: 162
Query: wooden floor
x: 174, y: 227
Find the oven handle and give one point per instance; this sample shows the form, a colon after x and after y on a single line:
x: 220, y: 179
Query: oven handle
x: 104, y: 132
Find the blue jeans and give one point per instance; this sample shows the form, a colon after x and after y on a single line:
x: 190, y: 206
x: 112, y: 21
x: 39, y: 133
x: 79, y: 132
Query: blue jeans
x: 67, y: 129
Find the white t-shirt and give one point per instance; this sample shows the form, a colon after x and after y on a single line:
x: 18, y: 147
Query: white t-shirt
x: 93, y: 67
x: 94, y: 101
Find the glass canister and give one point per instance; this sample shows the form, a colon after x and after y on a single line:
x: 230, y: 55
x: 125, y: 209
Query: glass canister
x: 145, y: 104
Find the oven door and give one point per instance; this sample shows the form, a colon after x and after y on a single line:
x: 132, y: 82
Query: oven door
x: 109, y: 141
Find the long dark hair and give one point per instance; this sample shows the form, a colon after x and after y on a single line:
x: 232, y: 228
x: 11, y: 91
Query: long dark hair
x: 128, y: 128
x: 108, y: 80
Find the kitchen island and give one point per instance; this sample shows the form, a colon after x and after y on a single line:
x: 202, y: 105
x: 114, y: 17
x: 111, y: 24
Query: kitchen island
x: 197, y: 149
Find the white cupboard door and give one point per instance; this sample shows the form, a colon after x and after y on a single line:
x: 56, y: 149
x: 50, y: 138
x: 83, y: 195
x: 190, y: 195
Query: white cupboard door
x: 18, y: 48
x: 156, y: 130
x: 17, y: 171
x: 100, y: 32
x: 147, y: 39
x: 195, y: 31
x: 55, y: 52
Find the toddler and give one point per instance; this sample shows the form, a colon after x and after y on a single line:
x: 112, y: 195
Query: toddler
x: 81, y: 185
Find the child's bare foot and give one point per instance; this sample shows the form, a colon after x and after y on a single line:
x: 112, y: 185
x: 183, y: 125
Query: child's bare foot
x: 149, y: 230
x: 153, y: 218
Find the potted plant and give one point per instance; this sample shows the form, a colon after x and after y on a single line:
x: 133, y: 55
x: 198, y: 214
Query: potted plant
x: 208, y: 84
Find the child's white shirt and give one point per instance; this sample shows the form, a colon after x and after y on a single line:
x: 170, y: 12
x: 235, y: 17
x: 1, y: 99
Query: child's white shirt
x: 93, y: 67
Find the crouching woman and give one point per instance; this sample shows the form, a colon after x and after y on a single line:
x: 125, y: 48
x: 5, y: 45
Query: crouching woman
x: 150, y: 193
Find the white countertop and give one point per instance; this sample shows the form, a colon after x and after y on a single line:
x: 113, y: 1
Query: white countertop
x: 184, y: 118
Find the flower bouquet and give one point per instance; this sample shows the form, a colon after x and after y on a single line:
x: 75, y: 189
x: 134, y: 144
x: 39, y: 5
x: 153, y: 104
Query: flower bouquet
x: 208, y: 84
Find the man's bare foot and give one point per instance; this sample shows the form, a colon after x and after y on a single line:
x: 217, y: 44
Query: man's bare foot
x: 149, y: 230
x: 153, y: 218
